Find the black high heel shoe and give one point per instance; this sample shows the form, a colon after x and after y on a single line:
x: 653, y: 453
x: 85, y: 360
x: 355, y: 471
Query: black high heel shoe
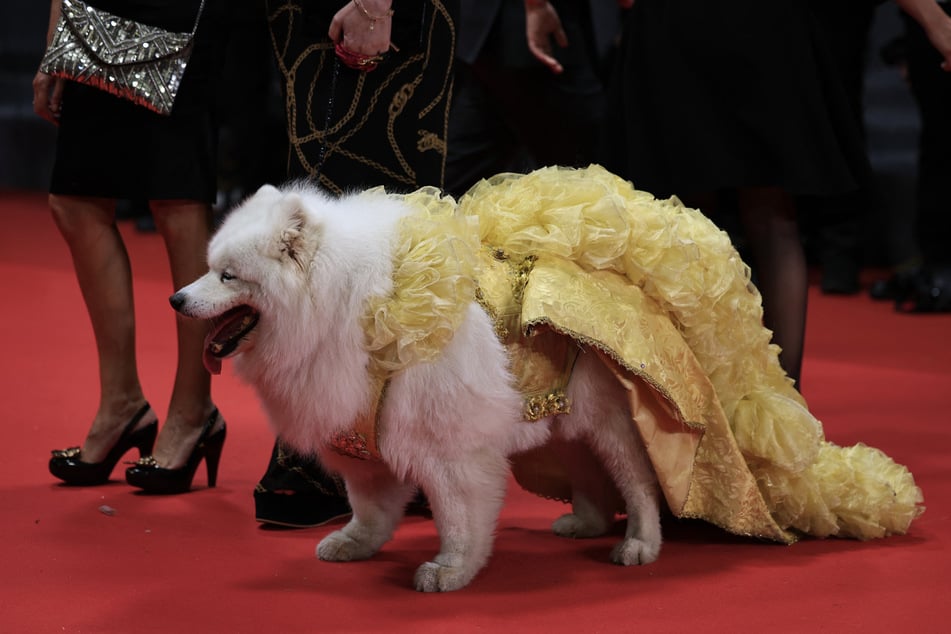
x: 68, y: 466
x: 147, y: 475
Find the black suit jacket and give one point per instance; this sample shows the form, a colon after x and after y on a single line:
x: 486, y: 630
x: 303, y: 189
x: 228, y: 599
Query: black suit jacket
x: 501, y: 24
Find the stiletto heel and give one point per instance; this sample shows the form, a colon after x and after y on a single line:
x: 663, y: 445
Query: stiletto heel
x: 213, y: 456
x: 68, y: 466
x: 147, y: 475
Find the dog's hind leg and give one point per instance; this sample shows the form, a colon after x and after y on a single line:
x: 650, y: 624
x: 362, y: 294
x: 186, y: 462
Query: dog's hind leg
x: 378, y: 500
x: 601, y: 416
x: 465, y: 497
x: 594, y: 498
x: 622, y: 449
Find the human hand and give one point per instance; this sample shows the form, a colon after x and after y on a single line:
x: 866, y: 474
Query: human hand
x: 47, y: 96
x: 542, y: 25
x: 935, y: 22
x: 361, y: 31
x: 940, y: 38
x: 625, y: 4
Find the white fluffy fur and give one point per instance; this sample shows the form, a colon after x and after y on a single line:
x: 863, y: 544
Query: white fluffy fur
x: 308, y: 263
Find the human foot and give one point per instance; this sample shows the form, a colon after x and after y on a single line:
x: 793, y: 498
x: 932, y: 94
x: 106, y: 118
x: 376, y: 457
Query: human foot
x: 110, y: 424
x: 149, y: 474
x: 178, y: 437
x: 94, y: 466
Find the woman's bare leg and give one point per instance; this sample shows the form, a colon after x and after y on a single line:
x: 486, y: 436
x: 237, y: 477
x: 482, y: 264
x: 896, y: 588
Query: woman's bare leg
x: 185, y: 227
x: 102, y: 269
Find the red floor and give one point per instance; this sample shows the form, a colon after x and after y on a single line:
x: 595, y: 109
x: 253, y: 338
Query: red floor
x: 199, y: 563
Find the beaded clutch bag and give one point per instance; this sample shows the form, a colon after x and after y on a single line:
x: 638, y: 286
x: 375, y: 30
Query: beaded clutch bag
x: 135, y: 61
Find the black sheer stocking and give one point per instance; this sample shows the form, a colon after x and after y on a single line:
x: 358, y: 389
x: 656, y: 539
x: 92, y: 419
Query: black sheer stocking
x: 768, y: 218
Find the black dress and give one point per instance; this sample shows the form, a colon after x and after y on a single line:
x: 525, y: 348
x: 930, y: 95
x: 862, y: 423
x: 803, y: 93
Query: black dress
x: 349, y: 129
x: 711, y: 95
x: 109, y: 147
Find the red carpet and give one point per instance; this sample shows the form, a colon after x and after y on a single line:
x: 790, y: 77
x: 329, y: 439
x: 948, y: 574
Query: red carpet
x: 199, y: 563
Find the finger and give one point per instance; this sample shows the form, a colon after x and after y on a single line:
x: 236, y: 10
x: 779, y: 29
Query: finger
x: 335, y: 31
x: 40, y: 87
x: 56, y: 98
x: 42, y: 109
x: 40, y: 101
x: 561, y: 38
x: 545, y: 58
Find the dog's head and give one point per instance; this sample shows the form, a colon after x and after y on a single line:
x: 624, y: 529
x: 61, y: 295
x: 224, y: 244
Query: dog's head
x: 260, y: 256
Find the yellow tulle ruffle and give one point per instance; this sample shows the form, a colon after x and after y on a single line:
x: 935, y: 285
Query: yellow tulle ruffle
x: 678, y: 258
x: 434, y: 281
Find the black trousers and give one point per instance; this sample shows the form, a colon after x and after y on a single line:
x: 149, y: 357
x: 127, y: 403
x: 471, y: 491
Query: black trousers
x: 510, y: 113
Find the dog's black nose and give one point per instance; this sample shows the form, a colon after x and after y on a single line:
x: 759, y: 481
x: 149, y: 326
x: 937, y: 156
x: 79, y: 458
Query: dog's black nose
x: 177, y: 300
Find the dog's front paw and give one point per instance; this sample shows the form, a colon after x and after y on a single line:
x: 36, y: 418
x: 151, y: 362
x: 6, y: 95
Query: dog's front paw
x: 434, y: 577
x: 338, y: 546
x: 576, y: 527
x: 633, y: 552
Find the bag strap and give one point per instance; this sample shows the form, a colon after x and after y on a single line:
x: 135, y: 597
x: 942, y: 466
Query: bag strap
x: 201, y: 9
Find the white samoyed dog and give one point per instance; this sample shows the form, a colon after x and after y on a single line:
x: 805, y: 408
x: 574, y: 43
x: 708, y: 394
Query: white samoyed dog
x: 291, y: 273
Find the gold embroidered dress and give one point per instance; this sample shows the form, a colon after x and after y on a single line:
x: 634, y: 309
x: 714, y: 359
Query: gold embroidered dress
x: 565, y: 256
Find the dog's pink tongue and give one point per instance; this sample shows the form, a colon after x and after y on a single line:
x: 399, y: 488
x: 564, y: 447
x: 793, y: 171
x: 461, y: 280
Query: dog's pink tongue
x: 212, y: 363
x: 225, y: 335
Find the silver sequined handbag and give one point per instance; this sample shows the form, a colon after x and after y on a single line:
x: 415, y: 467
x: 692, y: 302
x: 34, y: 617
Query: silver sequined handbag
x: 135, y: 61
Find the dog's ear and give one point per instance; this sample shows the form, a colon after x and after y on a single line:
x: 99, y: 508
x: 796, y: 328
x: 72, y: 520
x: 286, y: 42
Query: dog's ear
x: 299, y: 237
x: 266, y: 193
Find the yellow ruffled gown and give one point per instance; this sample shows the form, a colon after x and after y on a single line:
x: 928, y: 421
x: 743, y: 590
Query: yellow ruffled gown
x: 663, y: 296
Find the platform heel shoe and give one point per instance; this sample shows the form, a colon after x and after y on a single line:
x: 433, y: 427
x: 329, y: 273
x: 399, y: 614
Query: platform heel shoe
x: 147, y: 475
x: 68, y: 465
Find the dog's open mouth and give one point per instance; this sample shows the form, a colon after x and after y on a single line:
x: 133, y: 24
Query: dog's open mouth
x: 226, y: 334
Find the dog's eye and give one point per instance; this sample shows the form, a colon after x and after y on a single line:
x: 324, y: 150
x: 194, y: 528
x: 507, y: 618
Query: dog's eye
x: 226, y: 276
